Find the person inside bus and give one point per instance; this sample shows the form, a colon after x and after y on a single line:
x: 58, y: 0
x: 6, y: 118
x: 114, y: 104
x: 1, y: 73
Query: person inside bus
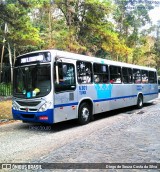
x: 112, y: 81
x: 96, y: 79
x: 88, y: 78
x: 118, y: 80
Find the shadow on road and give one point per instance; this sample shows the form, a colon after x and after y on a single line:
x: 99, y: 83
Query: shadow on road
x: 127, y: 110
x: 73, y: 123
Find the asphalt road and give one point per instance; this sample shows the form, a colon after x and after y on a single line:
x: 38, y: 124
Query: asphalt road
x: 127, y: 135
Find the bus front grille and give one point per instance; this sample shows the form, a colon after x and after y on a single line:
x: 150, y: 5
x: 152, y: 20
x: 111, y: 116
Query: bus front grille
x: 28, y: 103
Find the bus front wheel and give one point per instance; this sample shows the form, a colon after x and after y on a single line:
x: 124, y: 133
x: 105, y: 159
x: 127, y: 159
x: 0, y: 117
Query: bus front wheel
x: 84, y: 114
x: 140, y: 101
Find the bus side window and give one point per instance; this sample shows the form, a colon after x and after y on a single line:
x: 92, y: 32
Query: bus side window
x: 152, y: 78
x: 115, y: 74
x: 144, y: 76
x: 84, y: 72
x: 156, y: 78
x: 127, y: 75
x: 100, y: 73
x: 137, y: 76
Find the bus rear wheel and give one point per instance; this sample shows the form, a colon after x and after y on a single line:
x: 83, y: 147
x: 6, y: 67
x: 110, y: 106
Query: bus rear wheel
x: 84, y: 114
x: 140, y: 101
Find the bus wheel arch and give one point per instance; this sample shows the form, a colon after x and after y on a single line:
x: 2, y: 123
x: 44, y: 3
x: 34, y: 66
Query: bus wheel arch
x: 140, y: 100
x: 85, y: 112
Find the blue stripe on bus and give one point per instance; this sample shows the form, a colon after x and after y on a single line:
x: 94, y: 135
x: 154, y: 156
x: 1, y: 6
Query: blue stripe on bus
x: 101, y: 100
x: 150, y: 93
x: 123, y: 97
x: 66, y: 104
x: 114, y: 98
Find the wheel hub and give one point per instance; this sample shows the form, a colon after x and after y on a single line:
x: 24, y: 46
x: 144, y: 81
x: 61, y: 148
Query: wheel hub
x: 85, y: 114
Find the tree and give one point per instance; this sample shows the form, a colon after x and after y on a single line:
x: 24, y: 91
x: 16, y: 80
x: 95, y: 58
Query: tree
x: 156, y: 49
x: 145, y: 54
x: 90, y: 31
x: 20, y: 30
x: 130, y: 17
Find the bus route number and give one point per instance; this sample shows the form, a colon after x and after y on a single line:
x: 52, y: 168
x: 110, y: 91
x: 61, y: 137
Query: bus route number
x: 82, y: 90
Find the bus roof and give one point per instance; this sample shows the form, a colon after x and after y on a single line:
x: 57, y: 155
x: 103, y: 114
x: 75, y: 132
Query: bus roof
x: 69, y: 55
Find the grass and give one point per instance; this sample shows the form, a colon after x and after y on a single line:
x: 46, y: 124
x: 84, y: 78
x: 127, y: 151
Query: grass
x: 6, y: 109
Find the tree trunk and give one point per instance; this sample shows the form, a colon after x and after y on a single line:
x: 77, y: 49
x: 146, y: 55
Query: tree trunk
x: 2, y: 54
x: 1, y: 65
x: 10, y: 61
x: 14, y: 54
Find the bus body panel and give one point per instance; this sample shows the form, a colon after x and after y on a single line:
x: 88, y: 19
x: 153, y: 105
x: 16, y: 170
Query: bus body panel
x: 65, y: 107
x: 114, y: 96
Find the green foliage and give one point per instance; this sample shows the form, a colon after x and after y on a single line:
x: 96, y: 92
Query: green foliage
x: 100, y: 28
x: 128, y: 24
x: 89, y: 29
x: 20, y: 29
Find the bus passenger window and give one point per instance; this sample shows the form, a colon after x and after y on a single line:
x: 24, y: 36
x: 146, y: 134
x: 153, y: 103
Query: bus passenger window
x: 127, y: 75
x: 155, y: 78
x: 100, y: 73
x: 115, y: 74
x: 152, y: 78
x: 137, y: 76
x: 84, y: 72
x: 144, y: 76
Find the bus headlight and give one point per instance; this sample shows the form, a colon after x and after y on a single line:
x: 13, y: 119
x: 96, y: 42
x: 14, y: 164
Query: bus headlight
x: 44, y: 107
x: 14, y: 106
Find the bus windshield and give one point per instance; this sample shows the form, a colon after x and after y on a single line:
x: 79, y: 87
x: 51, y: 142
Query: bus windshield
x: 32, y: 81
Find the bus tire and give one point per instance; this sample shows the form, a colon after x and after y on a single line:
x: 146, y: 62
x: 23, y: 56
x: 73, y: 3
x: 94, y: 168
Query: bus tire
x: 140, y: 101
x: 84, y: 114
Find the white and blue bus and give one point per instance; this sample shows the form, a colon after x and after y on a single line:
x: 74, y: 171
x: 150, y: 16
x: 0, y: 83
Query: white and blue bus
x: 52, y: 86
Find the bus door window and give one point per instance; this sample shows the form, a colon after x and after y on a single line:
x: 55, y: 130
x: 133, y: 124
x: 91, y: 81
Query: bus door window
x: 137, y: 76
x: 66, y: 74
x: 144, y: 76
x: 84, y: 72
x: 115, y: 74
x: 100, y: 73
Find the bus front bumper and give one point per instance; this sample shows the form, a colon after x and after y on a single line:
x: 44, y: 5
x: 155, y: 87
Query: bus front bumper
x: 37, y: 117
